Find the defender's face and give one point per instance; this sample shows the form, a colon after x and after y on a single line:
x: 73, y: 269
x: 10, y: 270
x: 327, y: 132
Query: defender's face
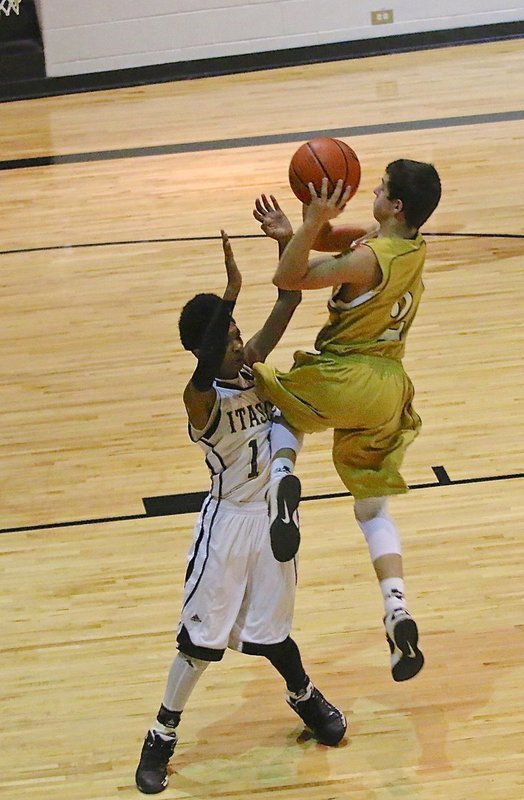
x: 234, y: 357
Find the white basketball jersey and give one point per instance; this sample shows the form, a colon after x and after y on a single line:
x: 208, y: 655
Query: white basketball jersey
x: 236, y: 441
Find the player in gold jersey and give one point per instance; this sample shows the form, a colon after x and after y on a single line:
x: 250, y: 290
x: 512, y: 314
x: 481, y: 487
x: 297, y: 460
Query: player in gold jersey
x: 355, y: 383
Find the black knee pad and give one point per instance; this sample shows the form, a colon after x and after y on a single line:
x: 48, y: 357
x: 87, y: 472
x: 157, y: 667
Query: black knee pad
x: 186, y: 646
x: 267, y: 650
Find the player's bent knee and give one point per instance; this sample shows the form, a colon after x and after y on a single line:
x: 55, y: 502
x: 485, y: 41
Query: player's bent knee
x: 377, y: 526
x: 370, y: 507
x: 198, y: 664
x: 267, y: 650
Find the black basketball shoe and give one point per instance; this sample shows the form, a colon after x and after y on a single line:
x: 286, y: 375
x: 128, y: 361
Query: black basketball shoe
x: 283, y: 499
x: 151, y: 775
x: 402, y: 636
x: 326, y: 722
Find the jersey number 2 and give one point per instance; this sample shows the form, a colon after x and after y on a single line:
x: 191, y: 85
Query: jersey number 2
x: 398, y: 312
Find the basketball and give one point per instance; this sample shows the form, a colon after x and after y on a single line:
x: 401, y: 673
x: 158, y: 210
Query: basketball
x: 323, y: 158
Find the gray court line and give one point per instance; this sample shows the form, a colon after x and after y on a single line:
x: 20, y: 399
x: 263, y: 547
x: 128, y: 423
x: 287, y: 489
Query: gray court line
x: 268, y: 139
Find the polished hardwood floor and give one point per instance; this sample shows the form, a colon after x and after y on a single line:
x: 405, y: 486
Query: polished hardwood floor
x: 98, y: 254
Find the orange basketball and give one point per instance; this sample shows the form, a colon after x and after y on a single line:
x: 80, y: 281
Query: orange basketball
x: 323, y: 158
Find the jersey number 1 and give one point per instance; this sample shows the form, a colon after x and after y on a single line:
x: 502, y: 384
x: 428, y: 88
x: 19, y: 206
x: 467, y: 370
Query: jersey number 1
x: 253, y: 472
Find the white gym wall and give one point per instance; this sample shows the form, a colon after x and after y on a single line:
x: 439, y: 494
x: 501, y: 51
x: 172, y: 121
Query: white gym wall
x: 83, y: 36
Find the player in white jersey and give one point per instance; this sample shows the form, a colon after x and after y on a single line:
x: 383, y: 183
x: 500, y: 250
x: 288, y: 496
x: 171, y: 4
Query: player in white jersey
x: 236, y: 594
x: 236, y: 440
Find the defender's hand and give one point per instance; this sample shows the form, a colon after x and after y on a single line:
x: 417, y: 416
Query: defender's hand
x: 234, y: 278
x: 272, y: 219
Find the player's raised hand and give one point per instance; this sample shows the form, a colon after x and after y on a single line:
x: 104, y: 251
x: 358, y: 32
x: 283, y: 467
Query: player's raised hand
x: 272, y: 219
x: 234, y: 278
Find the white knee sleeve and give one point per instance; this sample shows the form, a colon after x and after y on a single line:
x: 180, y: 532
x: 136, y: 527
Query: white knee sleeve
x: 377, y: 526
x: 183, y: 676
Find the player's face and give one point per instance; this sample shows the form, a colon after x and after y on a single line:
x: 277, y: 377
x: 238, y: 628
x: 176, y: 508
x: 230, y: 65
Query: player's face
x: 382, y: 206
x: 234, y: 357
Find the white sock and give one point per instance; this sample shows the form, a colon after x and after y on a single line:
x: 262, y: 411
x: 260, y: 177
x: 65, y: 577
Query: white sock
x: 283, y: 437
x: 167, y: 734
x: 305, y: 694
x: 393, y: 593
x: 281, y: 467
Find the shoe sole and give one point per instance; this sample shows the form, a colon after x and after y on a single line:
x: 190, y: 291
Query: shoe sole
x: 148, y: 790
x: 335, y: 737
x: 406, y: 640
x: 285, y: 536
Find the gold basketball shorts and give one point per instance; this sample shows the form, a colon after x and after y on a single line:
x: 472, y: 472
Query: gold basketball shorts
x: 366, y: 400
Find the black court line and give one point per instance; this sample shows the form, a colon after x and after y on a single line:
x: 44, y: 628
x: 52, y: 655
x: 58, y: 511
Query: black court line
x: 132, y: 241
x: 166, y: 505
x: 72, y: 523
x: 189, y: 503
x: 216, y: 238
x: 269, y: 139
x: 474, y: 235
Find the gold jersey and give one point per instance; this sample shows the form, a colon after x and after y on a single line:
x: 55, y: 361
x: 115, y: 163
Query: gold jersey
x: 377, y: 322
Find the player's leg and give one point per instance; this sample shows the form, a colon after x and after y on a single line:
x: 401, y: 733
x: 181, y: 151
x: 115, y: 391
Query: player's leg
x: 284, y: 489
x: 308, y: 397
x: 263, y: 629
x: 159, y: 744
x: 386, y: 556
x: 213, y: 594
x: 318, y: 393
x: 326, y: 722
x: 368, y: 464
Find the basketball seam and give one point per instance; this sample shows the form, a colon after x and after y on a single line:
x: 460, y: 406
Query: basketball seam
x: 349, y: 153
x: 344, y: 155
x: 298, y: 178
x: 324, y: 170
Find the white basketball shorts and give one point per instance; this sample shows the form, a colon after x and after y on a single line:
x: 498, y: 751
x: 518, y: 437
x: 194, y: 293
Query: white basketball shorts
x: 236, y: 591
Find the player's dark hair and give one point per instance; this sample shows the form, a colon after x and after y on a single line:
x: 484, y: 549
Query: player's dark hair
x: 195, y: 317
x: 417, y: 184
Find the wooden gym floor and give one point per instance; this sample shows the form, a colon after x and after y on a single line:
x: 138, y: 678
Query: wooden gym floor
x: 111, y: 206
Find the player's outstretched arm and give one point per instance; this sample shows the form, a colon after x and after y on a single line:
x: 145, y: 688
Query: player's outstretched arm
x: 266, y: 339
x: 338, y: 238
x: 234, y: 278
x: 296, y: 270
x: 294, y: 264
x: 199, y: 394
x: 276, y: 225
